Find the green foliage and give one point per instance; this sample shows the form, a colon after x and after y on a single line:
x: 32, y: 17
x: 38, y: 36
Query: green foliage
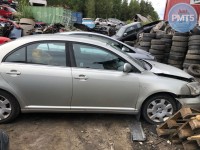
x: 134, y: 8
x: 120, y: 9
x: 24, y: 11
x: 90, y: 9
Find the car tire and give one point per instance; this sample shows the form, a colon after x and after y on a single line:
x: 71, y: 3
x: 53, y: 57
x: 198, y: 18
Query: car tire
x: 158, y: 47
x: 4, y: 140
x: 194, y: 47
x: 178, y: 49
x: 145, y: 44
x: 177, y: 54
x: 156, y: 52
x: 180, y: 38
x: 180, y: 44
x: 146, y: 39
x: 194, y: 70
x: 167, y: 36
x: 194, y: 37
x: 10, y: 105
x: 150, y: 35
x: 174, y: 62
x: 194, y: 42
x: 156, y: 105
x: 193, y: 52
x: 193, y: 57
x: 157, y: 42
x: 176, y: 57
x: 181, y: 34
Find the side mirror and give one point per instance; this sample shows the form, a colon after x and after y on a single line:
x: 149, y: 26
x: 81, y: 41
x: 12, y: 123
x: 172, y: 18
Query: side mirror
x: 125, y: 34
x: 127, y: 68
x: 123, y: 49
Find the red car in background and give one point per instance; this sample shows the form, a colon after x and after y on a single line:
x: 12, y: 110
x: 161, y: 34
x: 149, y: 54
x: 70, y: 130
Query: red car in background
x: 6, y: 11
x: 4, y: 40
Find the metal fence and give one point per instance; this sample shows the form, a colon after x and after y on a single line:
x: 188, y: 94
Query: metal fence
x: 51, y: 15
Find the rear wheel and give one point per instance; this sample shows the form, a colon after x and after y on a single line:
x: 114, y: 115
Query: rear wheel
x: 9, y: 107
x: 158, y: 108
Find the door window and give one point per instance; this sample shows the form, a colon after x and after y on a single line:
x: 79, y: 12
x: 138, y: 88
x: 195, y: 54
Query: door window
x: 96, y: 58
x: 40, y: 53
x: 17, y: 56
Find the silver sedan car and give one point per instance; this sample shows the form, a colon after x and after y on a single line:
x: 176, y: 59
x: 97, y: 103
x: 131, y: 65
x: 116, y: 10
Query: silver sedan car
x: 56, y: 73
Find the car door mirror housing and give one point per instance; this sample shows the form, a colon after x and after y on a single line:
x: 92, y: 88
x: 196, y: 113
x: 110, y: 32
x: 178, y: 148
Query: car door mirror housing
x: 127, y: 68
x: 125, y: 34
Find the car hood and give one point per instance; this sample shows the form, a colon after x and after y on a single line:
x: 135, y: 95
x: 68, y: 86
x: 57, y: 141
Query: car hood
x: 141, y: 54
x: 168, y: 71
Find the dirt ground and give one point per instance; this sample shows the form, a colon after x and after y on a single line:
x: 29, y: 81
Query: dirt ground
x: 79, y: 132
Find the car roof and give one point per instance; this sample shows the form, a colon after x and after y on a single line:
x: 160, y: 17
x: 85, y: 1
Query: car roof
x: 55, y: 37
x: 131, y: 24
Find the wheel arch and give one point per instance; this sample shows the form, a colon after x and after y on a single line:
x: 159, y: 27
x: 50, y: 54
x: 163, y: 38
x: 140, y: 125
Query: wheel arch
x: 155, y: 94
x: 10, y: 93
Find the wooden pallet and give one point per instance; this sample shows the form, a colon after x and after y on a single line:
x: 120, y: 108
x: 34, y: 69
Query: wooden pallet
x: 179, y: 127
x: 176, y: 121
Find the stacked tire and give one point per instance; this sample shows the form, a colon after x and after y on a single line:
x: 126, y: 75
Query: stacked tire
x: 178, y: 50
x: 158, y: 49
x: 193, y: 54
x: 168, y: 43
x: 145, y: 42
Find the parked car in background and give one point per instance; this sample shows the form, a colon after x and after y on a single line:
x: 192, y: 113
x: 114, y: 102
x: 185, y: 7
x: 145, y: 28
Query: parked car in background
x: 56, y: 73
x: 89, y: 22
x: 10, y: 29
x: 7, y: 12
x: 38, y: 2
x: 4, y: 40
x: 103, y: 22
x: 128, y: 32
x: 116, y: 21
x: 132, y: 51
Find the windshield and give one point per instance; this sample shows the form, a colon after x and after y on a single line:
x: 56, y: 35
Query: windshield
x: 141, y: 63
x: 120, y: 32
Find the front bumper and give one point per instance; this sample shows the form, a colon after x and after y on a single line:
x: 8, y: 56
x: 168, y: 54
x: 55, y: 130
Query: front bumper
x: 190, y: 102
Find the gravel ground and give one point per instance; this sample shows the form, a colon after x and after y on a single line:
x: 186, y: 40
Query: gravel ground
x: 79, y: 132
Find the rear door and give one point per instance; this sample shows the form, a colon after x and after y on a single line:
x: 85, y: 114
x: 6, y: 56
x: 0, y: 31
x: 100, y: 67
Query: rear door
x: 40, y: 74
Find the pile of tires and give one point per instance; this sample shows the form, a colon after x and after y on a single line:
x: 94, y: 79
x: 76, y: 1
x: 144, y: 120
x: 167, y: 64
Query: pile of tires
x: 145, y: 42
x: 158, y: 49
x: 168, y: 43
x: 193, y: 53
x: 178, y: 50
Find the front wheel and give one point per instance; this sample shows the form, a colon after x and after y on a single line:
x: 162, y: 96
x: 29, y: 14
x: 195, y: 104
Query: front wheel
x: 9, y: 107
x: 158, y: 108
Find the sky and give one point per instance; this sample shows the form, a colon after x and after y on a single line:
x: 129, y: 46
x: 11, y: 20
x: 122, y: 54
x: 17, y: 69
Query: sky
x: 159, y: 6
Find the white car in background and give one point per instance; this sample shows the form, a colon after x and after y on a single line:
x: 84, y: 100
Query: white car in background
x: 38, y: 2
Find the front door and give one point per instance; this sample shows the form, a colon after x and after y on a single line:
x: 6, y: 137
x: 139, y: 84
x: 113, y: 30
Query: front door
x: 99, y: 83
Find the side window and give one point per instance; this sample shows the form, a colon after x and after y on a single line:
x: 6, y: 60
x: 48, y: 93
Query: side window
x: 130, y: 30
x: 17, y: 56
x: 47, y: 54
x: 40, y: 53
x: 96, y: 58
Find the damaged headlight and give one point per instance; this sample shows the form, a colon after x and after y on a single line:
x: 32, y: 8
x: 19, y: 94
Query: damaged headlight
x: 194, y: 88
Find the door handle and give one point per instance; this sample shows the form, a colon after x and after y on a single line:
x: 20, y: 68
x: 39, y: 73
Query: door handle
x: 81, y: 77
x: 13, y: 72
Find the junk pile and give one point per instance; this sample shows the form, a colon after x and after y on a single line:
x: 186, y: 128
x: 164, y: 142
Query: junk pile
x: 183, y: 129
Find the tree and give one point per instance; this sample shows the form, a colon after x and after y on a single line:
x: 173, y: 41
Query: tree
x: 116, y: 10
x: 124, y: 10
x: 90, y: 8
x: 134, y: 8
